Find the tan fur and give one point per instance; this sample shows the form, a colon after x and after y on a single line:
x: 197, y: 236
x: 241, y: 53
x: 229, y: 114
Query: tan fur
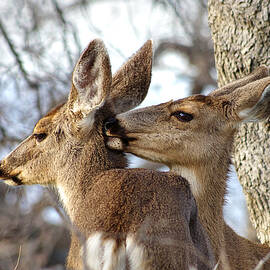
x: 200, y: 150
x: 127, y: 219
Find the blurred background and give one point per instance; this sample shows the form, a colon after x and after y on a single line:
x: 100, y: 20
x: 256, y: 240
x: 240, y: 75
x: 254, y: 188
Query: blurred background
x: 40, y: 41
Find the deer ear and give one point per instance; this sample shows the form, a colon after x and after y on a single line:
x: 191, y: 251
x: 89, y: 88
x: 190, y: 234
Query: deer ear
x: 131, y: 82
x: 250, y: 102
x: 259, y: 73
x: 91, y: 80
x: 253, y: 100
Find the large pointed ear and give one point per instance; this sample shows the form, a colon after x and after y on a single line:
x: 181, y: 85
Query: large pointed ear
x: 131, y: 82
x: 254, y: 100
x: 250, y: 102
x: 259, y: 73
x: 91, y: 80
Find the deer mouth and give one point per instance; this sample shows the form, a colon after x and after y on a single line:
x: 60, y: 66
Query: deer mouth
x: 4, y: 176
x: 10, y: 178
x: 118, y: 142
x: 116, y: 139
x: 17, y: 180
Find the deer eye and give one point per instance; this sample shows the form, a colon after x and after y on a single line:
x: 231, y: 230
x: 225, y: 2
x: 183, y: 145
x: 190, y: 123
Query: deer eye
x: 40, y: 136
x: 182, y: 116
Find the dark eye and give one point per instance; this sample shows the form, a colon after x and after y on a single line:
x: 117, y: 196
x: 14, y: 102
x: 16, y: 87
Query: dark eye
x: 183, y: 117
x: 40, y: 137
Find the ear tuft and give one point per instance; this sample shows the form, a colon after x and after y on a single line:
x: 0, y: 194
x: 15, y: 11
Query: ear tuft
x: 131, y: 82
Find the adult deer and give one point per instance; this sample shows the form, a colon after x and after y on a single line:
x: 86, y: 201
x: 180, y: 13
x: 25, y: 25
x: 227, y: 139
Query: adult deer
x: 130, y: 219
x: 194, y: 138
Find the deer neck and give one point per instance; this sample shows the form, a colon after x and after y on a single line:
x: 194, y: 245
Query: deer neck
x: 208, y: 185
x: 76, y: 182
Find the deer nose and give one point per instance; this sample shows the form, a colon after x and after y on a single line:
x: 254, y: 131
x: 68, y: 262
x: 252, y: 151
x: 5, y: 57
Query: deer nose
x: 110, y: 123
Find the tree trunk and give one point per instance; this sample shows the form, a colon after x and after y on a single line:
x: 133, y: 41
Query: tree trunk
x: 241, y: 36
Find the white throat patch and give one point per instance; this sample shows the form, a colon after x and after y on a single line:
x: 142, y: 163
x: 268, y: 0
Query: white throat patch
x: 188, y: 174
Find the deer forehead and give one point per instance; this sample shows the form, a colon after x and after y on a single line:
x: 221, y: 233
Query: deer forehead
x: 43, y: 125
x: 47, y: 122
x: 192, y: 105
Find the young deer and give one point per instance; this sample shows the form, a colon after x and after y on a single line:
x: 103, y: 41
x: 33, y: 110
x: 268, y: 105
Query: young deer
x: 194, y: 138
x: 131, y: 219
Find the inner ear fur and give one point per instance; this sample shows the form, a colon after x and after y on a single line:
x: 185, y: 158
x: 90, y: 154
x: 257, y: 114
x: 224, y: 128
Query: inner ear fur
x: 250, y: 102
x: 253, y: 100
x: 91, y: 79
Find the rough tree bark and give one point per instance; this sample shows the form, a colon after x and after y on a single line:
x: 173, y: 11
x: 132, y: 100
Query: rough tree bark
x: 241, y: 35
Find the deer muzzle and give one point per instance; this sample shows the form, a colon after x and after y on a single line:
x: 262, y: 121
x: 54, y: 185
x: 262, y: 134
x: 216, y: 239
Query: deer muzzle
x: 116, y: 138
x: 9, y: 178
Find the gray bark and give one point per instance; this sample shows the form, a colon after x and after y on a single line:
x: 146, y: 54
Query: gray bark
x: 241, y: 36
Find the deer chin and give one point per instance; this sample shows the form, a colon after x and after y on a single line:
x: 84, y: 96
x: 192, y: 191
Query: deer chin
x: 117, y: 142
x: 11, y: 180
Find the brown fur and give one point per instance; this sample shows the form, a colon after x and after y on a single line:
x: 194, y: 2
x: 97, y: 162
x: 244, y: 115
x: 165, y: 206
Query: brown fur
x: 200, y: 151
x: 156, y: 210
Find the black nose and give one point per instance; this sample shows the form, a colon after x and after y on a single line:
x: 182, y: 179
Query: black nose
x: 109, y: 123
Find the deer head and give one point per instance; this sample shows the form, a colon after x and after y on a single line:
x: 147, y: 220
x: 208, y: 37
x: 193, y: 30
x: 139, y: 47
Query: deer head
x: 190, y: 130
x: 62, y: 139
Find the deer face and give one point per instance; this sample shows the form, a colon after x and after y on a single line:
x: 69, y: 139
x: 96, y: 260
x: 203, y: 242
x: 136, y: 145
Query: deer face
x: 69, y: 140
x: 169, y: 131
x: 28, y: 163
x: 193, y: 130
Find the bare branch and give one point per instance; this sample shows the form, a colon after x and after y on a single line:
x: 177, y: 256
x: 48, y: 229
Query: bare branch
x: 64, y: 25
x: 17, y: 57
x: 19, y: 257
